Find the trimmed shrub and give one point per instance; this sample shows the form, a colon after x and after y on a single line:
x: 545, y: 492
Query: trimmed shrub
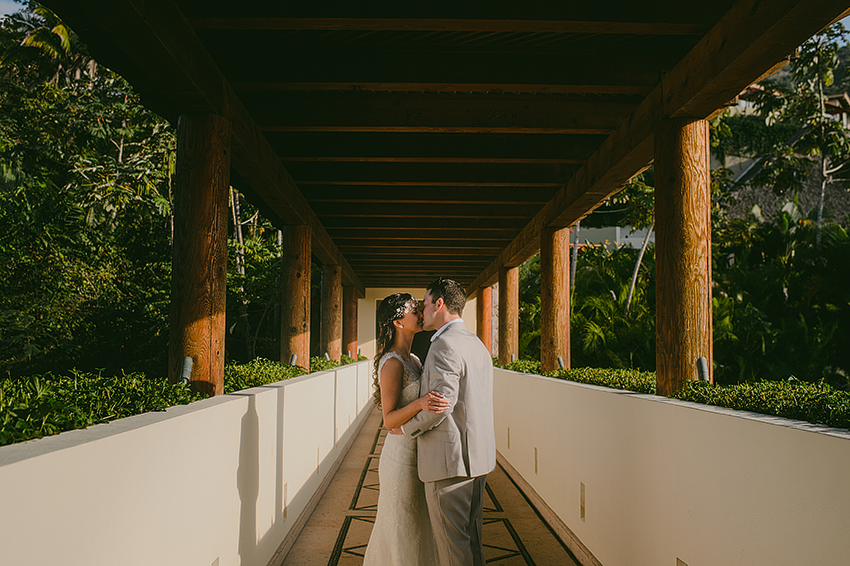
x: 523, y: 366
x: 817, y: 403
x: 318, y: 363
x: 257, y: 372
x: 626, y: 379
x: 41, y: 405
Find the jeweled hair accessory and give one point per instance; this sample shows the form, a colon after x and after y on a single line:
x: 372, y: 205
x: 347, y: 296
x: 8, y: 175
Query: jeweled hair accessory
x: 409, y: 305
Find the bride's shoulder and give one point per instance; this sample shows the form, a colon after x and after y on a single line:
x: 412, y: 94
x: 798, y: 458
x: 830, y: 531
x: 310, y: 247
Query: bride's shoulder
x: 387, y: 357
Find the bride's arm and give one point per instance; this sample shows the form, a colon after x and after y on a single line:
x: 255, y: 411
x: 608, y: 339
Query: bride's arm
x: 395, y: 416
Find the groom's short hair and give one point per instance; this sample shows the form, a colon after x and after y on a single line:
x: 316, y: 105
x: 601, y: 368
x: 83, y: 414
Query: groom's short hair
x: 450, y: 291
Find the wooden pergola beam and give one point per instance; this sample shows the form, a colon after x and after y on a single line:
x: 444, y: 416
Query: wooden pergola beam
x: 454, y: 25
x: 359, y: 111
x: 411, y: 145
x: 426, y: 69
x: 747, y: 41
x: 446, y: 86
x: 155, y: 40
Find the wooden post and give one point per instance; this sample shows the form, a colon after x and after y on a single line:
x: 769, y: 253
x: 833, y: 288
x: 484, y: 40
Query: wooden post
x: 349, y: 320
x: 508, y: 314
x: 554, y: 298
x: 199, y: 264
x: 484, y: 317
x: 295, y: 303
x: 332, y: 311
x: 682, y: 251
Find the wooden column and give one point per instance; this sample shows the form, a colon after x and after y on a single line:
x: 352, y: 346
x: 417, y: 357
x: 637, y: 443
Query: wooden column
x: 554, y: 298
x: 508, y: 314
x: 484, y: 316
x: 295, y: 303
x: 682, y: 251
x: 332, y: 311
x: 199, y: 264
x: 349, y: 320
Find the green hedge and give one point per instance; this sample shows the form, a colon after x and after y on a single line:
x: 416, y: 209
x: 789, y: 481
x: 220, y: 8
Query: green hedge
x: 627, y: 379
x: 256, y: 373
x: 41, y: 405
x: 816, y: 403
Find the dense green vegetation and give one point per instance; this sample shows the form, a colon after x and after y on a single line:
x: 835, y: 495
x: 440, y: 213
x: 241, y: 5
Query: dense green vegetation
x: 85, y: 244
x: 817, y: 403
x: 85, y: 220
x: 40, y: 405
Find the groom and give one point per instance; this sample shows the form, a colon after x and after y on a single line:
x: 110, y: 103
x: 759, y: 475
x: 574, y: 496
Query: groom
x: 457, y: 448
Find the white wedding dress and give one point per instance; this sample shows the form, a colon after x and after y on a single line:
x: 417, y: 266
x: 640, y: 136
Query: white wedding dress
x: 402, y: 534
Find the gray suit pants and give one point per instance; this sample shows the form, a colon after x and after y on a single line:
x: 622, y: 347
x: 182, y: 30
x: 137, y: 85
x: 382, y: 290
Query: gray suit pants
x: 456, y: 508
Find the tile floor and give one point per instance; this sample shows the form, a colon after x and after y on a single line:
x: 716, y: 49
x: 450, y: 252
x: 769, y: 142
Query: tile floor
x: 338, y: 530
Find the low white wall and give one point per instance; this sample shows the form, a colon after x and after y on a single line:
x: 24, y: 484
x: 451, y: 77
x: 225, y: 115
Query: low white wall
x: 667, y: 480
x: 215, y: 483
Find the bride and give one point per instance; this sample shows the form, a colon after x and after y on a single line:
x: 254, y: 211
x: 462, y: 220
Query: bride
x: 402, y: 534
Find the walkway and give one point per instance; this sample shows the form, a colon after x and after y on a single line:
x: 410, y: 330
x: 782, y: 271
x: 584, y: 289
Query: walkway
x: 338, y: 530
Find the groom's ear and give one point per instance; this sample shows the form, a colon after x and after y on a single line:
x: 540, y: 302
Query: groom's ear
x: 439, y: 303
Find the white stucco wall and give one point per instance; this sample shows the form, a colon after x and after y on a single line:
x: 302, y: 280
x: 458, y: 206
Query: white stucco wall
x: 667, y: 480
x: 218, y: 482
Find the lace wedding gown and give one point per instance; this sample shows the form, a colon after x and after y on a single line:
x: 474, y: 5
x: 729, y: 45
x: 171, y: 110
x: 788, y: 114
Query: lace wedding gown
x: 402, y: 533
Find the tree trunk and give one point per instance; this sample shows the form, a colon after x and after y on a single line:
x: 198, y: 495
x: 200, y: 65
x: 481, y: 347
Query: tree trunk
x: 637, y: 266
x: 574, y: 258
x: 823, y: 182
x: 240, y: 268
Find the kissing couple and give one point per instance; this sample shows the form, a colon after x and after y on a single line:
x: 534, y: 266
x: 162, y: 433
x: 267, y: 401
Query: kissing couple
x: 442, y: 445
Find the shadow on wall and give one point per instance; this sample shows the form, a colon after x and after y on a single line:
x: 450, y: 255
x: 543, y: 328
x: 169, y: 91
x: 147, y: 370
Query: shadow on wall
x: 248, y: 482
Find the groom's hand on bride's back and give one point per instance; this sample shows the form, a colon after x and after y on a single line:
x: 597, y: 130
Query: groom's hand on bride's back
x: 396, y: 430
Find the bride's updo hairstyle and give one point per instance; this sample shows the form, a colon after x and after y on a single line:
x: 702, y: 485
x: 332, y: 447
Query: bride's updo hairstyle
x: 391, y: 309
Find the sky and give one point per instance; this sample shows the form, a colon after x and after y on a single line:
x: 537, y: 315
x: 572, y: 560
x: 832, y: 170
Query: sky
x: 8, y: 7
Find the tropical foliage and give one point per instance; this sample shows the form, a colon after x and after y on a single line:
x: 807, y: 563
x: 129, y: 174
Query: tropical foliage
x: 85, y: 219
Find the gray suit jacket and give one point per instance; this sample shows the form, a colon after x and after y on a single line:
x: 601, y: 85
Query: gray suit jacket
x: 460, y: 442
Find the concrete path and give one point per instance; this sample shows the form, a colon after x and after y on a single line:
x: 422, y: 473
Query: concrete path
x: 338, y: 530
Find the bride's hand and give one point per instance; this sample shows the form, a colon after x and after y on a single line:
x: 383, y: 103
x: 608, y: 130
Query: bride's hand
x: 433, y: 402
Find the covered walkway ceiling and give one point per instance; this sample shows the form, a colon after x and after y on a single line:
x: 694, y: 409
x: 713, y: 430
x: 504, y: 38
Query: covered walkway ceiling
x: 419, y: 139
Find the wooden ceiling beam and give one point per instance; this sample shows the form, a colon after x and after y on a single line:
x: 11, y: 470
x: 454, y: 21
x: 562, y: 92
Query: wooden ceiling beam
x: 347, y: 64
x: 367, y: 244
x: 166, y: 54
x: 390, y: 253
x: 459, y: 160
x: 670, y: 11
x: 336, y: 222
x: 432, y: 235
x: 453, y: 25
x: 428, y: 195
x: 430, y: 210
x: 445, y: 86
x: 429, y: 172
x: 436, y: 111
x: 749, y: 39
x: 388, y: 145
x: 519, y: 185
